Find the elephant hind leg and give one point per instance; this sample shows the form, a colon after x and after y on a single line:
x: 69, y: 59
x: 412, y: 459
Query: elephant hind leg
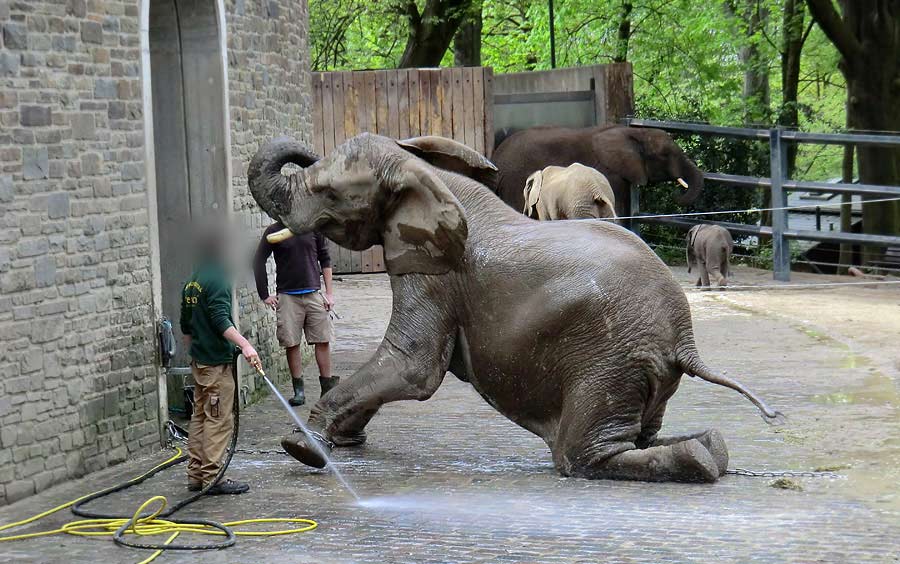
x: 711, y: 439
x: 686, y: 461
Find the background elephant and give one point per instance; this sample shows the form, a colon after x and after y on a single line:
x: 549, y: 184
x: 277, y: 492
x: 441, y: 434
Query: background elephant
x: 555, y: 335
x: 572, y: 192
x: 627, y: 156
x: 709, y: 251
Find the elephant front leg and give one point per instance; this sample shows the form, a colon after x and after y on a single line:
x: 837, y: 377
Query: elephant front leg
x: 340, y: 416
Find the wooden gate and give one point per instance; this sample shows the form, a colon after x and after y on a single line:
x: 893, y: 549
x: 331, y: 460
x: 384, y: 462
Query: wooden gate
x: 401, y: 103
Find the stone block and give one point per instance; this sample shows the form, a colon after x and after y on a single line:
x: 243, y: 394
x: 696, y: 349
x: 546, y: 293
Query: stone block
x: 58, y: 205
x: 15, y: 36
x: 83, y: 126
x: 91, y: 32
x: 32, y: 247
x: 35, y: 163
x: 19, y: 489
x: 6, y: 188
x: 45, y: 272
x: 34, y: 116
x: 91, y: 164
x: 9, y: 63
x: 77, y: 8
x: 105, y: 88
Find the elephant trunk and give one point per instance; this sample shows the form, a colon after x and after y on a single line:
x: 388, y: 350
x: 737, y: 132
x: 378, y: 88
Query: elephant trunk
x: 270, y: 188
x: 692, y: 178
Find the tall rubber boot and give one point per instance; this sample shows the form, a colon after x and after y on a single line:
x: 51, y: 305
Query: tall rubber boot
x: 328, y: 383
x: 299, y: 397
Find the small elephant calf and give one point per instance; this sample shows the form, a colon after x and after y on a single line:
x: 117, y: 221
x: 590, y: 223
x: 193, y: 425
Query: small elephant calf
x: 709, y: 249
x: 572, y: 192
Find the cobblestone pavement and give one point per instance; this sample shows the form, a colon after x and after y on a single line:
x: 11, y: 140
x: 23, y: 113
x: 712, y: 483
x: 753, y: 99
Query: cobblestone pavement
x: 450, y: 480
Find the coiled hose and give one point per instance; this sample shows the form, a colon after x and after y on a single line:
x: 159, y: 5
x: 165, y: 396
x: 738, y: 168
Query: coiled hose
x: 155, y: 522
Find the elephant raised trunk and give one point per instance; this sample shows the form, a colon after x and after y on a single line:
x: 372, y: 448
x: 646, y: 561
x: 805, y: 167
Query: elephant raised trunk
x: 273, y: 191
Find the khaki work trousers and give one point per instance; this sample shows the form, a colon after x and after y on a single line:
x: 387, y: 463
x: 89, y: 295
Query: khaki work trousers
x: 211, y: 424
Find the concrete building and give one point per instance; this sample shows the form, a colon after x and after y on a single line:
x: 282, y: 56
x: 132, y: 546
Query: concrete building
x: 120, y: 121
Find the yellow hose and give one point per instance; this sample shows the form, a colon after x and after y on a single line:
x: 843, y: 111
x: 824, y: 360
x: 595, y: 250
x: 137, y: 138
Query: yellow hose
x: 149, y: 525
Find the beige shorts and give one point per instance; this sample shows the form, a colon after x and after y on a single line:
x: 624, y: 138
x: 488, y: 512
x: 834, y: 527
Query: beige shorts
x: 303, y: 313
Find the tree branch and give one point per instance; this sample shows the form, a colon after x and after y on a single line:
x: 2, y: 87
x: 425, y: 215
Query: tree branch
x: 825, y: 14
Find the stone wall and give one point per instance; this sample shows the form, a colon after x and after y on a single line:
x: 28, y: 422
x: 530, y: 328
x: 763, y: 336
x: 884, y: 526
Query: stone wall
x: 78, y: 361
x: 269, y: 95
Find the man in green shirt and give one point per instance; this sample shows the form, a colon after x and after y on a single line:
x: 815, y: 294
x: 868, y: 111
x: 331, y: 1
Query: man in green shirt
x: 211, y: 336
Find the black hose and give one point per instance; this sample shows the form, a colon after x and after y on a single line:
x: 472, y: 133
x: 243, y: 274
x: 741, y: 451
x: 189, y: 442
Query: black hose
x: 119, y: 536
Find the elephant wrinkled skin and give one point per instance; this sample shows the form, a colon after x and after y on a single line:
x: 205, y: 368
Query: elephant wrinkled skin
x: 574, y: 330
x: 709, y: 251
x: 627, y: 156
x: 572, y: 192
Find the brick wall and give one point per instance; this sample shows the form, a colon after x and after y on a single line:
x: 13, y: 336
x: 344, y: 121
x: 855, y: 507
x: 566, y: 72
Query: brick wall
x: 78, y: 363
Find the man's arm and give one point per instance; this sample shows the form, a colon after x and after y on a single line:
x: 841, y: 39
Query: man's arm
x: 325, y: 263
x: 185, y: 321
x: 218, y: 304
x: 263, y: 250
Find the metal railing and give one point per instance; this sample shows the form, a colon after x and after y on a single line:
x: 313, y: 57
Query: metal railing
x: 779, y: 185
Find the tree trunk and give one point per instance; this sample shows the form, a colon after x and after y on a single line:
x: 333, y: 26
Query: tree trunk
x: 467, y: 43
x: 431, y: 31
x: 623, y: 35
x: 867, y: 35
x: 757, y: 93
x: 792, y: 39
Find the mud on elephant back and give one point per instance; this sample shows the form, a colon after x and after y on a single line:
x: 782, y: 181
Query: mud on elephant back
x: 516, y: 307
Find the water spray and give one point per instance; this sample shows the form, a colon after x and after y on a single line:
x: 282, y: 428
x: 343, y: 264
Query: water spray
x: 314, y: 439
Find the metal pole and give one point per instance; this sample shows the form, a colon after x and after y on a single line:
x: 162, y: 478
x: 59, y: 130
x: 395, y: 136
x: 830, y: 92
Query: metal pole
x: 781, y: 249
x: 635, y: 209
x: 552, y: 37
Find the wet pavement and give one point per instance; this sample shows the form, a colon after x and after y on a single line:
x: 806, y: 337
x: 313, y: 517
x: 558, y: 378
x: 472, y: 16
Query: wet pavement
x: 450, y: 480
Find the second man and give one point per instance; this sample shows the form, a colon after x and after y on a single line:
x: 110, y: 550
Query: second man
x: 300, y: 305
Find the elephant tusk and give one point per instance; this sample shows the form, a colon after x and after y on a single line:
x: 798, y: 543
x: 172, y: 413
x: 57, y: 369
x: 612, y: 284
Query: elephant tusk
x: 279, y: 236
x: 682, y: 182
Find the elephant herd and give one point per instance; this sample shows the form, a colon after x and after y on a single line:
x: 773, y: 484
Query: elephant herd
x: 574, y: 330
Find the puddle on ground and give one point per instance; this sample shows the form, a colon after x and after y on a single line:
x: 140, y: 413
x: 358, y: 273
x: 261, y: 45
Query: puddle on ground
x: 876, y: 389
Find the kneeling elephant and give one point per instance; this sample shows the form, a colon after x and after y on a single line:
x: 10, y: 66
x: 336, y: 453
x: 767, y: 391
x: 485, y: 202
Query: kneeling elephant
x: 574, y: 330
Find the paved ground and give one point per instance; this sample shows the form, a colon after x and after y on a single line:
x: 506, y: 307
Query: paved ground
x: 450, y: 480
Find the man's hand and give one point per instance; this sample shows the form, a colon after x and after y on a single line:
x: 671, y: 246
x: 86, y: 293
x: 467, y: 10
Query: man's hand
x: 251, y: 355
x: 329, y: 301
x: 271, y: 301
x: 187, y: 341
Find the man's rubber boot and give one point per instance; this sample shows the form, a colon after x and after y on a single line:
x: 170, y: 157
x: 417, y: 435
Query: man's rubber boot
x: 328, y: 383
x: 299, y: 397
x: 311, y: 452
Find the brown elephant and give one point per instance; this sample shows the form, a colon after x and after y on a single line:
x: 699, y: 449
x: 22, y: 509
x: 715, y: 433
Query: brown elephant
x: 709, y: 251
x: 627, y: 156
x: 572, y: 192
x: 514, y: 306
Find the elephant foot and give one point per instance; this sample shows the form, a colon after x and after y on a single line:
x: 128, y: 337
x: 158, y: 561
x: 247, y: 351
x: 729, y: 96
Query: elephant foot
x: 715, y: 444
x: 311, y: 450
x: 350, y: 439
x: 694, y: 462
x: 686, y: 461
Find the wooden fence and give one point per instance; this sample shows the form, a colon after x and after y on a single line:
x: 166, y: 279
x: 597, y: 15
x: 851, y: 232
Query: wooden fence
x: 450, y: 102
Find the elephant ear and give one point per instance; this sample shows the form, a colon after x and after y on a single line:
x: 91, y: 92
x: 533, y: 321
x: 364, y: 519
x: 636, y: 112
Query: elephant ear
x: 532, y: 193
x: 425, y: 228
x: 453, y: 156
x: 689, y: 245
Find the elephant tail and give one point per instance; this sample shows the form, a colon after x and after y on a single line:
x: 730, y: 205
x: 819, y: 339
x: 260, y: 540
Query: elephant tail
x: 693, y: 366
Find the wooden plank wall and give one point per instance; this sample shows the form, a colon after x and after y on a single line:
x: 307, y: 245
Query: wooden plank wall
x: 613, y: 86
x: 450, y: 102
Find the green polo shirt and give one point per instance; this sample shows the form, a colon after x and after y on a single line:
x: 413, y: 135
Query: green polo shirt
x: 206, y: 314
